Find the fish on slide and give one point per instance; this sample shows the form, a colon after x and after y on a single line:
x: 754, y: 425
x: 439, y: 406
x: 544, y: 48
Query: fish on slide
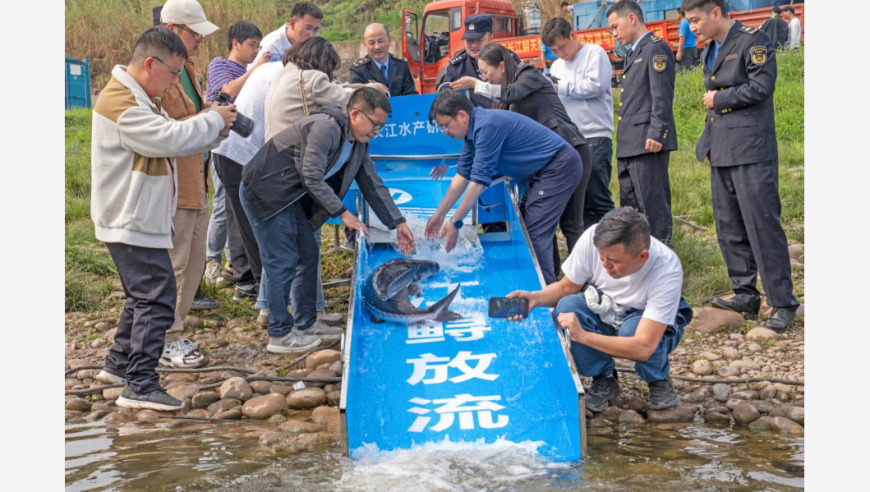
x: 386, y: 293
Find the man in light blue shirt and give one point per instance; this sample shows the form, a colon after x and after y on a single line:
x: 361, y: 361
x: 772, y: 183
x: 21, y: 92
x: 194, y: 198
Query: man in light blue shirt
x: 687, y: 49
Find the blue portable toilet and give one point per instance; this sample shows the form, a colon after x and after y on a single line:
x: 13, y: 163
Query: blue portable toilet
x: 78, y: 83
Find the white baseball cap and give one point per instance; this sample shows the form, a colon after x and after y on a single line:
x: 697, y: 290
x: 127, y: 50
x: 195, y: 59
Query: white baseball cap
x: 188, y: 13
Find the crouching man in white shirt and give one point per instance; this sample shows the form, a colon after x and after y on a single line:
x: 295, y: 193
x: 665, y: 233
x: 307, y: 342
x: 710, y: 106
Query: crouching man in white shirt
x: 631, y: 308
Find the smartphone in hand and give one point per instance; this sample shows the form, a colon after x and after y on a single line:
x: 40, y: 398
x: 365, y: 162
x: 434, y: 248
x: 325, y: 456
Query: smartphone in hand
x: 507, y: 307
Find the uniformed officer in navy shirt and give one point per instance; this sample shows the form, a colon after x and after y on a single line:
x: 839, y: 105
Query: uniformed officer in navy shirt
x: 382, y: 66
x: 739, y: 140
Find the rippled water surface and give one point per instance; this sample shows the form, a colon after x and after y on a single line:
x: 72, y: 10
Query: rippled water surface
x: 228, y: 457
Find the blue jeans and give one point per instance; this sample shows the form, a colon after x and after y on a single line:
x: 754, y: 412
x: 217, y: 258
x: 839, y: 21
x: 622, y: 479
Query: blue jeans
x: 264, y: 284
x: 288, y: 251
x: 591, y: 362
x: 598, y: 198
x: 216, y: 238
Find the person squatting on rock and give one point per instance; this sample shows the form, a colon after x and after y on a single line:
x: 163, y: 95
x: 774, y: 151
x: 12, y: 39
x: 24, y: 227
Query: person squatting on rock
x: 631, y: 307
x: 134, y: 197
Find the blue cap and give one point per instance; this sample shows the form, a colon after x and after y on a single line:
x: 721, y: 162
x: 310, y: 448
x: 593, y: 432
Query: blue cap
x: 476, y: 26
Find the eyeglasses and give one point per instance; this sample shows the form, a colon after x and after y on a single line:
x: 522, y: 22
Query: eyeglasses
x: 377, y: 126
x: 255, y: 45
x: 196, y: 36
x: 175, y: 73
x: 443, y: 127
x: 311, y: 30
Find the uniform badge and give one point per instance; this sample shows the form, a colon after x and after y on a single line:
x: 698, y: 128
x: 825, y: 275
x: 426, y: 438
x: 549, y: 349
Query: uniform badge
x: 759, y: 55
x: 659, y: 63
x: 471, y: 27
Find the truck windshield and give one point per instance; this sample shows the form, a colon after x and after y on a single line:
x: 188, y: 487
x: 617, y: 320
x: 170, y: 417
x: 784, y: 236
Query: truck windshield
x: 436, y: 37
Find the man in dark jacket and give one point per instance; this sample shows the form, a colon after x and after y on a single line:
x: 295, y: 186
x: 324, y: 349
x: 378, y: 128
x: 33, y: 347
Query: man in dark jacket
x: 646, y: 134
x: 775, y: 28
x: 379, y: 65
x: 739, y: 139
x: 292, y: 186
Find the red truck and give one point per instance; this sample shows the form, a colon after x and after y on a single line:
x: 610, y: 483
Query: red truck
x: 443, y: 24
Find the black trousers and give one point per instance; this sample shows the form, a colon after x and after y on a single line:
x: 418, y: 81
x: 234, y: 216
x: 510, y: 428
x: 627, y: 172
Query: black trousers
x: 149, y: 283
x: 571, y: 221
x: 689, y: 59
x: 644, y: 185
x: 245, y: 255
x: 746, y: 209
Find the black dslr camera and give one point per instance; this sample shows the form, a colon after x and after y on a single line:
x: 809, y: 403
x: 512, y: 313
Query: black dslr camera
x: 243, y: 125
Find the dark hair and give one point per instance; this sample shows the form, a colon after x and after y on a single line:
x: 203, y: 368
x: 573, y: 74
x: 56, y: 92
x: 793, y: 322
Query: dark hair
x: 789, y: 9
x: 776, y: 10
x: 493, y: 54
x: 623, y: 225
x: 314, y: 54
x: 449, y: 103
x: 564, y: 4
x: 301, y: 9
x: 557, y: 27
x: 625, y: 7
x: 241, y: 32
x: 706, y: 5
x: 160, y: 42
x: 369, y: 99
x: 681, y: 11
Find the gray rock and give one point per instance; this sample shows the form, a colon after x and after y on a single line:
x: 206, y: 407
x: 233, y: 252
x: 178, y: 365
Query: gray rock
x: 717, y: 418
x: 710, y: 356
x: 698, y: 395
x: 745, y: 365
x: 182, y: 390
x: 149, y: 416
x: 102, y: 405
x: 610, y: 414
x: 760, y: 424
x: 630, y: 417
x: 761, y: 334
x: 731, y: 353
x: 727, y: 372
x: 636, y: 403
x: 800, y: 311
x: 745, y: 414
x: 299, y: 427
x: 702, y: 367
x: 97, y: 415
x: 721, y: 392
x: 796, y: 414
x: 333, y: 398
x: 204, y: 399
x: 78, y: 405
x: 786, y: 426
x: 223, y: 405
x: 320, y: 373
x: 306, y: 398
x: 709, y: 320
x: 263, y: 407
x: 732, y: 403
x: 116, y: 418
x: 281, y: 389
x: 112, y: 393
x: 767, y: 392
x: 110, y: 335
x: 102, y: 327
x: 336, y: 367
x: 736, y: 337
x: 231, y: 414
x: 277, y: 419
x: 99, y: 342
x: 261, y: 387
x: 681, y: 413
x: 754, y: 348
x: 236, y: 388
x: 599, y: 431
x: 200, y: 413
x: 322, y: 357
x: 762, y: 406
x: 745, y: 395
x: 795, y: 250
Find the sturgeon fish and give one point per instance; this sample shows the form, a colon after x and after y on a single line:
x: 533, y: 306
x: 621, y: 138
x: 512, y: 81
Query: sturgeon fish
x: 387, y: 291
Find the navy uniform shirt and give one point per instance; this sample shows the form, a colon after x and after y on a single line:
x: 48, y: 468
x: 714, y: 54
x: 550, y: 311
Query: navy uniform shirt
x: 463, y: 65
x: 505, y: 143
x: 647, y: 107
x: 740, y: 128
x: 398, y: 81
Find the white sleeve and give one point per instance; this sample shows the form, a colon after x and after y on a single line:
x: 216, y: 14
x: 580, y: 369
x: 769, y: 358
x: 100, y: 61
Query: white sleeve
x: 665, y: 299
x: 488, y: 90
x: 153, y: 135
x: 592, y: 82
x: 578, y: 266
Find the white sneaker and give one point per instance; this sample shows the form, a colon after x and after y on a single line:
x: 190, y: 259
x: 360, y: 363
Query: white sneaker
x: 193, y: 345
x: 178, y: 354
x: 109, y: 378
x: 214, y: 274
x: 294, y: 342
x: 324, y: 331
x: 263, y: 318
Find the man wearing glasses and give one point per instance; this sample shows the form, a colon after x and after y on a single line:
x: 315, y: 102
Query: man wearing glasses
x: 292, y: 185
x: 184, y: 100
x: 304, y: 23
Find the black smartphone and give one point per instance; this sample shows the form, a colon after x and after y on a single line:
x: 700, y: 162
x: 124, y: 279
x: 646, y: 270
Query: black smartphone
x: 505, y: 307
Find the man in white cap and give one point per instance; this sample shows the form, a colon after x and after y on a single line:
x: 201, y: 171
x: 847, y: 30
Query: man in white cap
x: 184, y: 100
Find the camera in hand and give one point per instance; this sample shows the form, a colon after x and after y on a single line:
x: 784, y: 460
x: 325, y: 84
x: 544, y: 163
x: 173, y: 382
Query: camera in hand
x: 243, y: 125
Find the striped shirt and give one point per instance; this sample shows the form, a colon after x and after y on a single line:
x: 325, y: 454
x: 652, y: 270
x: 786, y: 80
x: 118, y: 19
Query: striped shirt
x: 221, y: 71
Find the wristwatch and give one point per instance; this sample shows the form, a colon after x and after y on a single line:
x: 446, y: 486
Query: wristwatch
x: 456, y: 223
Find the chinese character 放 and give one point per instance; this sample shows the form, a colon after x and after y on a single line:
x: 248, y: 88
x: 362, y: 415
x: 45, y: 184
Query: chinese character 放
x: 439, y: 366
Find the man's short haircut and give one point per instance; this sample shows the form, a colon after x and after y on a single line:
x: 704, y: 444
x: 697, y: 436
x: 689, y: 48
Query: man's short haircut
x: 564, y: 4
x: 623, y: 225
x: 449, y: 103
x: 384, y: 26
x: 705, y: 5
x: 776, y: 10
x: 160, y: 42
x: 624, y: 7
x: 301, y: 9
x: 555, y: 28
x: 789, y: 9
x: 368, y: 99
x: 241, y: 32
x: 314, y: 54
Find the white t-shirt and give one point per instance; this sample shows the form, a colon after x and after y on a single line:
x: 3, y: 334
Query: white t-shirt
x: 275, y: 42
x: 584, y: 89
x: 655, y: 288
x: 794, y: 33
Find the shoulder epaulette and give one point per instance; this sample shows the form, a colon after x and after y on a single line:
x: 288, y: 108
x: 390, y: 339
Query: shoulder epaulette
x: 655, y: 39
x: 397, y: 57
x: 749, y: 29
x: 362, y: 61
x: 459, y: 58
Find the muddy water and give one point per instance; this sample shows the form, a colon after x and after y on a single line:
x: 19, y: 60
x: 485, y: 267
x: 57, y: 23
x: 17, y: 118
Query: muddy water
x: 228, y: 457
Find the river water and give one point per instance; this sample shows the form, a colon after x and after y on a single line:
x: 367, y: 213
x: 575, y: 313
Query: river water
x: 199, y: 457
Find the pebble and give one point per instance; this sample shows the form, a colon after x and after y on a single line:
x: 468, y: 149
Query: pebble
x: 299, y: 427
x: 102, y: 326
x: 180, y: 376
x: 263, y: 407
x: 327, y: 417
x: 710, y: 320
x: 744, y: 413
x: 761, y: 334
x: 236, y: 388
x: 708, y: 356
x: 198, y: 413
x: 320, y: 373
x: 698, y: 395
x: 336, y: 367
x: 78, y: 405
x: 322, y: 357
x: 281, y: 389
x: 277, y: 419
x: 182, y: 390
x: 731, y: 353
x: 786, y: 426
x: 204, y: 399
x: 148, y: 415
x: 721, y: 392
x: 745, y: 395
x: 727, y: 372
x: 745, y: 365
x: 96, y: 415
x: 333, y: 398
x: 717, y: 418
x: 112, y: 393
x: 116, y: 418
x: 99, y: 342
x: 110, y: 335
x: 231, y: 414
x: 261, y: 387
x: 702, y: 367
x: 224, y: 405
x: 306, y: 398
x: 631, y: 417
x: 636, y: 403
x: 680, y: 413
x: 754, y: 348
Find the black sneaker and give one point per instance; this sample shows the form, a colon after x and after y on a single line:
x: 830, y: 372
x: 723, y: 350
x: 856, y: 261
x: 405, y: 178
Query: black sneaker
x: 662, y: 395
x: 250, y: 292
x: 744, y: 304
x: 604, y: 388
x: 201, y: 302
x: 780, y: 319
x: 156, y: 400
